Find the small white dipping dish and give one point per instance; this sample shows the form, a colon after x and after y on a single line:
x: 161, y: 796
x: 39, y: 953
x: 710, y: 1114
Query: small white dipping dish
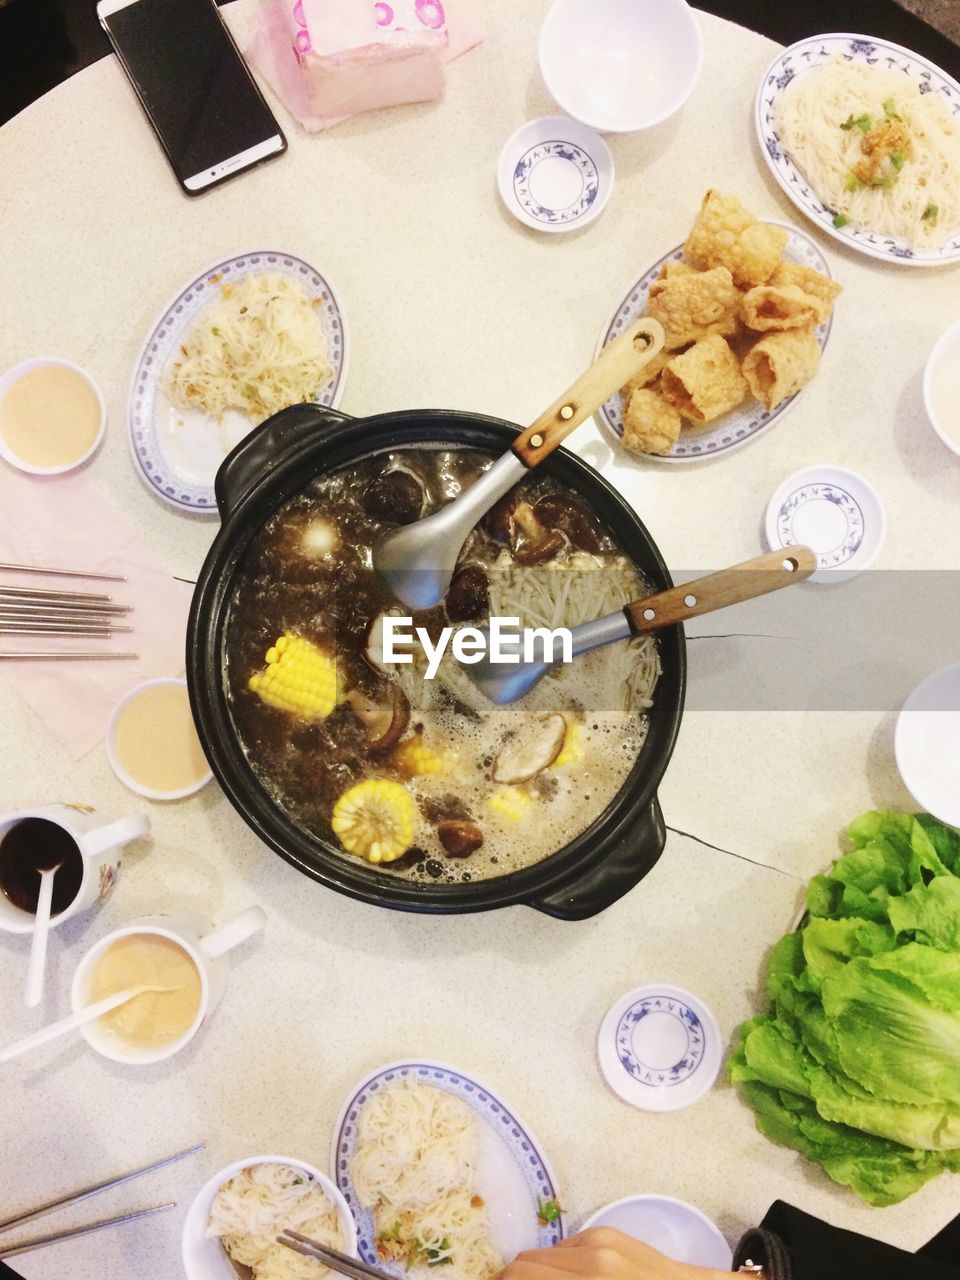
x: 163, y: 736
x: 941, y: 387
x: 659, y: 1048
x: 204, y: 1257
x: 620, y: 66
x: 55, y: 441
x: 833, y: 511
x: 673, y: 1227
x: 927, y: 744
x: 555, y: 174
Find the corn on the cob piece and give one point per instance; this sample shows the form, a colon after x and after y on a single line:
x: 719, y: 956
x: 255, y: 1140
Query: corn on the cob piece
x: 413, y: 758
x: 298, y: 677
x: 572, y: 749
x: 375, y: 820
x: 510, y: 803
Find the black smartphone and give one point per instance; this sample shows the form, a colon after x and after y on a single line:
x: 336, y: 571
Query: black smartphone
x: 201, y: 99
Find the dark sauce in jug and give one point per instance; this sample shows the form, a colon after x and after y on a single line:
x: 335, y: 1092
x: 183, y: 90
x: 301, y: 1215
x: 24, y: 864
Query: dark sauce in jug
x: 33, y: 845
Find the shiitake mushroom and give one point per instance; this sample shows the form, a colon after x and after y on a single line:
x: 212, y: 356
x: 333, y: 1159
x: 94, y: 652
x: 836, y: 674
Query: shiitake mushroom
x: 396, y: 496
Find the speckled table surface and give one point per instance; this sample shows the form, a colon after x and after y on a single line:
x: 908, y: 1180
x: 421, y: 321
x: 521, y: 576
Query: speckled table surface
x: 452, y: 303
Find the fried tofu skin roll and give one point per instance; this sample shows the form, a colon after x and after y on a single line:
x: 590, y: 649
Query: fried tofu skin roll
x: 705, y: 381
x: 649, y: 373
x: 650, y: 424
x: 811, y: 282
x: 692, y: 306
x: 726, y: 234
x: 780, y: 364
x: 776, y: 307
x: 675, y: 267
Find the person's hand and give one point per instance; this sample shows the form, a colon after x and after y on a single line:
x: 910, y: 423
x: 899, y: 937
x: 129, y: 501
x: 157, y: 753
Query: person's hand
x: 602, y: 1253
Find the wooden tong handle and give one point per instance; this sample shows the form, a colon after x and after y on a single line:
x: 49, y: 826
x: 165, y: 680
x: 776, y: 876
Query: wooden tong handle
x: 755, y: 577
x: 618, y: 362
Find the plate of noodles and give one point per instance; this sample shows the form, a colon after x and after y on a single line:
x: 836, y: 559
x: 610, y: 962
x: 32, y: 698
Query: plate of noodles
x: 747, y: 311
x: 249, y: 336
x: 864, y: 137
x: 438, y: 1171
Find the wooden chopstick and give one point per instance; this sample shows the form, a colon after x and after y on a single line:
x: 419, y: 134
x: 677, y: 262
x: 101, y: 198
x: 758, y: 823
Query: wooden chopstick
x: 74, y: 1197
x: 39, y: 1242
x: 333, y: 1258
x: 61, y: 573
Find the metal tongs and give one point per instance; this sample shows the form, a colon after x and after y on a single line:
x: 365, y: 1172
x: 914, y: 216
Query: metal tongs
x: 332, y: 1258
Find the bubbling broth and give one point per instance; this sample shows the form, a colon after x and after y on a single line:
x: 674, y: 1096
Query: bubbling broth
x: 426, y: 777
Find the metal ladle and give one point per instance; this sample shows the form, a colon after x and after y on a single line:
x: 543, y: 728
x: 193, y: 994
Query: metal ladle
x: 506, y: 682
x: 417, y: 561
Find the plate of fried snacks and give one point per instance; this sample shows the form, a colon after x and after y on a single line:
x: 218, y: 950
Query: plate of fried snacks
x: 438, y: 1172
x: 747, y: 309
x: 249, y: 336
x: 864, y: 137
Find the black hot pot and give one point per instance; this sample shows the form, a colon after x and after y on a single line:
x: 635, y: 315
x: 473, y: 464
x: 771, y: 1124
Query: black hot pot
x: 275, y: 462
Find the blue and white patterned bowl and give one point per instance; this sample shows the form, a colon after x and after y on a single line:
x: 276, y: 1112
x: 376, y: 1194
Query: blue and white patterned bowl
x: 555, y: 174
x: 805, y: 56
x: 659, y: 1048
x: 177, y: 452
x: 513, y: 1175
x: 833, y: 511
x: 749, y: 419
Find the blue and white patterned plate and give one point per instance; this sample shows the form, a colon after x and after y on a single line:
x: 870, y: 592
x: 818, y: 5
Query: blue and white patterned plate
x: 745, y: 422
x: 177, y: 452
x: 513, y: 1175
x: 807, y: 55
x: 555, y: 174
x: 833, y: 511
x: 659, y: 1048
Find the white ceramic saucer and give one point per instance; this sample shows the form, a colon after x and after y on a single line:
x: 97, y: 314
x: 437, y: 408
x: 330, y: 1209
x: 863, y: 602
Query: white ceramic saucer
x: 555, y: 174
x: 927, y: 744
x: 835, y: 512
x: 659, y: 1048
x: 672, y: 1227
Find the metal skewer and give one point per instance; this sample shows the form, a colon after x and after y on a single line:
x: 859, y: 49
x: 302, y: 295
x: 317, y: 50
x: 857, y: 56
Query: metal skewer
x: 55, y: 629
x: 38, y: 1242
x: 74, y: 1197
x: 42, y: 593
x: 61, y: 573
x: 53, y: 617
x: 61, y: 606
x: 6, y: 655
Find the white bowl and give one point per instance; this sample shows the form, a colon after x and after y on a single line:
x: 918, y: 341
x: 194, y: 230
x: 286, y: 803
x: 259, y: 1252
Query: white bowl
x: 671, y: 1226
x: 6, y: 382
x: 203, y: 1255
x: 927, y: 744
x: 835, y: 512
x: 941, y: 381
x: 555, y: 174
x: 128, y: 779
x: 620, y: 65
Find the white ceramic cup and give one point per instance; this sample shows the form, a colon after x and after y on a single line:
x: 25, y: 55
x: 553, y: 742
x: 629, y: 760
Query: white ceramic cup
x: 99, y: 843
x: 206, y: 946
x: 27, y: 366
x: 203, y: 1255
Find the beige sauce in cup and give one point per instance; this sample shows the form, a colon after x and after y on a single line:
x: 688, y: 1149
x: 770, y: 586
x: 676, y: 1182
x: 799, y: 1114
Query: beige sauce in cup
x: 50, y: 416
x: 155, y: 1017
x: 945, y: 396
x: 156, y: 743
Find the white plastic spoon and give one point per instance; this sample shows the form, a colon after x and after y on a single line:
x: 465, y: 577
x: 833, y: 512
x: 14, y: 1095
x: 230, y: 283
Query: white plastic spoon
x: 74, y: 1020
x: 41, y: 935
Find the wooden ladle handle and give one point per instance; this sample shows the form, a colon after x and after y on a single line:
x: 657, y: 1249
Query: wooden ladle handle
x: 755, y: 577
x: 618, y: 362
